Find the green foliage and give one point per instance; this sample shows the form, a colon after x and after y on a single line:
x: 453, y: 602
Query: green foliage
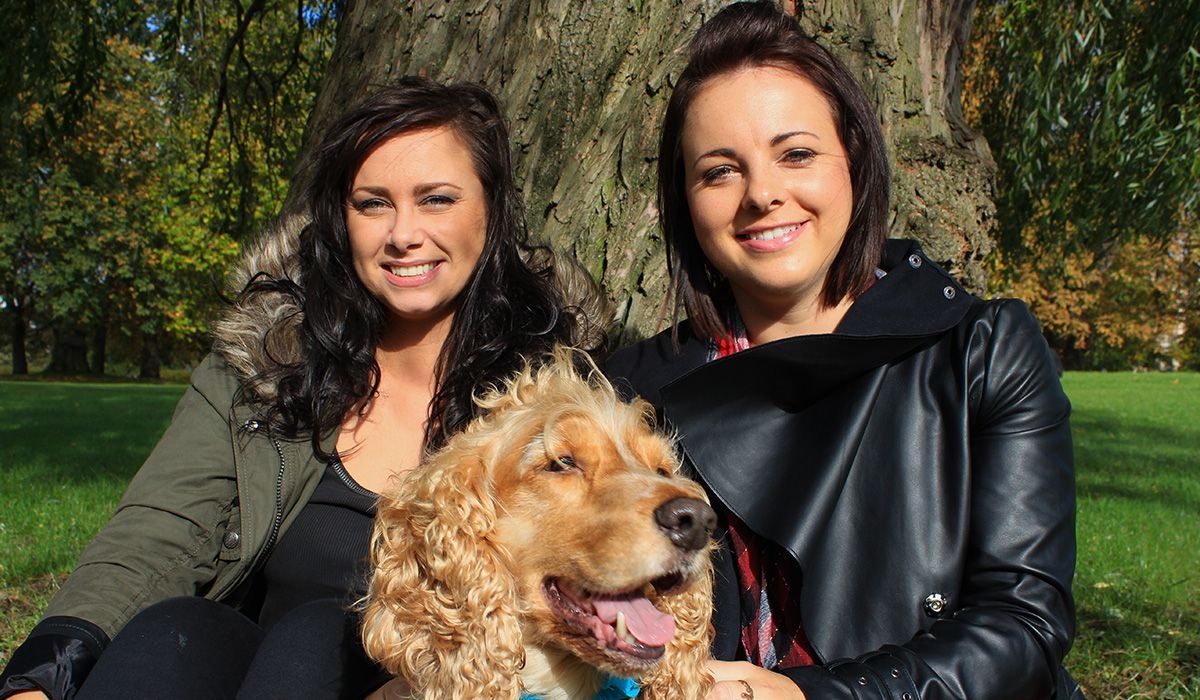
x: 1092, y: 110
x: 142, y: 142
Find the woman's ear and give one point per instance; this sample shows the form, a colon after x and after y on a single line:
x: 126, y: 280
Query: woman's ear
x: 442, y: 606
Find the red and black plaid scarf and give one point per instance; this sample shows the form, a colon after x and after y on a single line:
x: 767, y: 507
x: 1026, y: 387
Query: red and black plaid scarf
x: 772, y: 633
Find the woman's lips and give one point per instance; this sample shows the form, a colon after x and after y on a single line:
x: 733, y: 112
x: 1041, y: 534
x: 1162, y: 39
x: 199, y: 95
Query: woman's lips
x: 770, y: 239
x: 411, y: 275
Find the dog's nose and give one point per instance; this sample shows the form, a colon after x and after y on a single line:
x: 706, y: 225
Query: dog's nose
x: 687, y: 521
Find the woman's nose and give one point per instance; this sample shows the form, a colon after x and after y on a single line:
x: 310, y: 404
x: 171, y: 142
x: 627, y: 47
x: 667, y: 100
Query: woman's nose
x: 763, y: 192
x: 407, y: 231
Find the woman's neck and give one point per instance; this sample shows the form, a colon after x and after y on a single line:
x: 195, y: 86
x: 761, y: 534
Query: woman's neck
x: 764, y: 324
x: 387, y: 438
x: 412, y: 350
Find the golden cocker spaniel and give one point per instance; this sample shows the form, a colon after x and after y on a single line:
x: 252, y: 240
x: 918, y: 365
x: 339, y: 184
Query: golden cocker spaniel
x: 549, y: 546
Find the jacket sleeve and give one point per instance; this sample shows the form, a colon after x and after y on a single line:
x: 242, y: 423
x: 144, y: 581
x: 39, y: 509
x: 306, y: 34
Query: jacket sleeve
x: 57, y: 655
x: 162, y: 541
x: 1008, y: 633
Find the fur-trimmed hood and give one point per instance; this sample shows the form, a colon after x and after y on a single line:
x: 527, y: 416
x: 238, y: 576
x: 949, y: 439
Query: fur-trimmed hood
x: 262, y: 330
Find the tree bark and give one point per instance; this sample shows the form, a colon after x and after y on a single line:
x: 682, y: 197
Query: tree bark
x: 585, y: 85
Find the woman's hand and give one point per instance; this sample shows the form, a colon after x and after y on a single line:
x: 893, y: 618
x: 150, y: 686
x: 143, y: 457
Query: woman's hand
x: 29, y: 695
x: 741, y: 680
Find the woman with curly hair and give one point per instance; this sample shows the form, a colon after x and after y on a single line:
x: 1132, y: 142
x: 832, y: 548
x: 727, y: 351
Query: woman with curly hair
x: 359, y: 339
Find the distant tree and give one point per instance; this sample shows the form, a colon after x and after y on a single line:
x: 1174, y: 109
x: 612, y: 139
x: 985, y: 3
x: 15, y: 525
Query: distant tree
x: 1092, y: 109
x: 53, y: 55
x: 244, y: 76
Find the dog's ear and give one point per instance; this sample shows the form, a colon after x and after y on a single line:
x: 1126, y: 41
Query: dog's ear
x: 442, y: 606
x: 683, y: 673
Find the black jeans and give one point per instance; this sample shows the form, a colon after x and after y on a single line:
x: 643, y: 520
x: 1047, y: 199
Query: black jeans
x: 197, y: 649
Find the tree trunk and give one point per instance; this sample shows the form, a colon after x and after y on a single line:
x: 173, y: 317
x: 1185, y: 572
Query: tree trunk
x: 68, y: 355
x: 99, y: 347
x: 20, y: 360
x: 151, y: 364
x: 585, y: 84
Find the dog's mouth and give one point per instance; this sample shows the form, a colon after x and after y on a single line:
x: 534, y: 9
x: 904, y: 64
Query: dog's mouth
x: 625, y: 623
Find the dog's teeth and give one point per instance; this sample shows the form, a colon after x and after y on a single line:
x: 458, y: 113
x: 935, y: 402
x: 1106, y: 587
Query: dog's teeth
x: 622, y: 630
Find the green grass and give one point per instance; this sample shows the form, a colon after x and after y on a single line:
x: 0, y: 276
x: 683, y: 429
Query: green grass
x: 67, y: 450
x: 1137, y: 585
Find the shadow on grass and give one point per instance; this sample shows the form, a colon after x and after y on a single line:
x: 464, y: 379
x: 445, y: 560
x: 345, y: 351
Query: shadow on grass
x: 1136, y: 459
x: 82, y: 432
x: 1136, y: 650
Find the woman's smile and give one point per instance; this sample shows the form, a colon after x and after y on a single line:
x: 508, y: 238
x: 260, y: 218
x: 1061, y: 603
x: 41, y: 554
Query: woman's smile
x: 411, y: 274
x: 770, y: 239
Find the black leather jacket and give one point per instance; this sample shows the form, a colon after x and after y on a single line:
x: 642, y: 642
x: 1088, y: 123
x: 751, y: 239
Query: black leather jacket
x: 917, y: 463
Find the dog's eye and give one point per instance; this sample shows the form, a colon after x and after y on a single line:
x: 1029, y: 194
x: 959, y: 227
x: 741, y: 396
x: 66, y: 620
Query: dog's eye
x: 561, y: 464
x: 663, y: 471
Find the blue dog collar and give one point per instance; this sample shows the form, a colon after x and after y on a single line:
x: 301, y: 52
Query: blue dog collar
x: 612, y: 689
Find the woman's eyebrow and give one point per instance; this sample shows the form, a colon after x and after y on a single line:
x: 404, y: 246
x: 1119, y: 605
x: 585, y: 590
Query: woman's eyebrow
x: 780, y: 138
x: 721, y: 152
x: 425, y: 187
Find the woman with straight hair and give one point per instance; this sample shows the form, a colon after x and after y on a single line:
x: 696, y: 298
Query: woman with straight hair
x: 890, y: 456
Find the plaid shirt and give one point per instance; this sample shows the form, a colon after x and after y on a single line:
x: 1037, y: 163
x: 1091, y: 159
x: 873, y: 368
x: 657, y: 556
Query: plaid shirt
x: 772, y: 633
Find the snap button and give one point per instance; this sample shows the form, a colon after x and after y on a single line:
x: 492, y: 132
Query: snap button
x: 906, y: 696
x: 895, y: 673
x: 948, y: 292
x: 252, y: 425
x: 231, y: 539
x: 862, y: 680
x: 935, y: 603
x: 914, y: 261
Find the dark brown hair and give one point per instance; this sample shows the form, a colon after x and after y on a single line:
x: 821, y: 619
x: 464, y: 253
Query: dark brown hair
x: 747, y: 35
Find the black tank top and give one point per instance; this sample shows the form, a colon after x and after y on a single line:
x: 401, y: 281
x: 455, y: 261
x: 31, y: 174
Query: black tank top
x: 324, y: 553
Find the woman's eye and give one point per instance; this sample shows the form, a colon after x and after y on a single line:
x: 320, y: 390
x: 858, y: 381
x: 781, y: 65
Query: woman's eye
x: 716, y: 174
x: 438, y: 200
x: 370, y: 204
x: 799, y: 155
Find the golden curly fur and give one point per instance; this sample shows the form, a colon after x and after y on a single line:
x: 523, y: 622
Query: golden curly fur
x: 490, y: 559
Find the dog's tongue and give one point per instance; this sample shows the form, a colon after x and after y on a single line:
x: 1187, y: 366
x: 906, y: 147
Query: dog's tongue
x: 645, y: 622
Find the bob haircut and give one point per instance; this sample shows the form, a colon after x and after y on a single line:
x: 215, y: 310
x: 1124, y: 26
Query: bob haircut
x: 510, y: 308
x: 750, y: 35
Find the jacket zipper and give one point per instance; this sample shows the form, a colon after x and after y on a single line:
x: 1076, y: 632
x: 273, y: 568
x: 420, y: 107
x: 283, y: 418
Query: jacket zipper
x: 253, y: 426
x: 278, y: 522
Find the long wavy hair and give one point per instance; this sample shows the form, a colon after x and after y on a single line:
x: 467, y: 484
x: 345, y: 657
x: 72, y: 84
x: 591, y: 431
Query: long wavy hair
x: 510, y: 309
x: 749, y: 35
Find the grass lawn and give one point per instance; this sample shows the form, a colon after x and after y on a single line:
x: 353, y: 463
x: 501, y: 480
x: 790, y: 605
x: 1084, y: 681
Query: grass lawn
x: 67, y: 450
x: 1137, y: 586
